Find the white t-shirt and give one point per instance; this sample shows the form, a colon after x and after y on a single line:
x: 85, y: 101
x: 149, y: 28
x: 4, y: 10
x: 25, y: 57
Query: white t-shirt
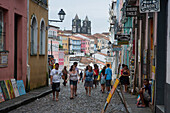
x: 56, y: 75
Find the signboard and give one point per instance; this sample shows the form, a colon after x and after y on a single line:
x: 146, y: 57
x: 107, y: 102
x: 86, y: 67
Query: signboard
x: 4, y: 59
x: 109, y: 59
x: 10, y: 89
x: 146, y: 6
x: 21, y: 87
x: 4, y: 90
x: 122, y: 37
x: 116, y: 48
x: 123, y: 42
x: 61, y: 60
x: 132, y: 11
x: 75, y: 59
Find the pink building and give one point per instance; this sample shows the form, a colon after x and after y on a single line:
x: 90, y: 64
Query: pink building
x: 13, y: 38
x: 83, y: 46
x: 87, y: 51
x: 55, y: 49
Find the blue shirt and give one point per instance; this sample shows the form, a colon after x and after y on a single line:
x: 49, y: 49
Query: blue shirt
x: 108, y: 73
x: 89, y: 76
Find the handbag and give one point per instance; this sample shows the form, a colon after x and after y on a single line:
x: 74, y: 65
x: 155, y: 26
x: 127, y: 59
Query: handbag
x: 146, y: 96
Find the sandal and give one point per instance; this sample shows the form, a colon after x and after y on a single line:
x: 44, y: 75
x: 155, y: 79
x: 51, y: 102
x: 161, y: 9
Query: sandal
x: 71, y: 98
x: 141, y: 106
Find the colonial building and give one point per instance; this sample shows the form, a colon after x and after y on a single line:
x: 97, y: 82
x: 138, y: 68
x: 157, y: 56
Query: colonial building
x: 37, y: 43
x: 13, y: 39
x: 77, y: 28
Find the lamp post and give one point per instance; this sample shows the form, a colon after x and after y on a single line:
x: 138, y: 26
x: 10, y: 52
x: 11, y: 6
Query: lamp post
x: 61, y: 16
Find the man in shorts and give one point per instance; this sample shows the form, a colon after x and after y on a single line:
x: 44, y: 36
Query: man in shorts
x: 108, y: 77
x: 55, y: 80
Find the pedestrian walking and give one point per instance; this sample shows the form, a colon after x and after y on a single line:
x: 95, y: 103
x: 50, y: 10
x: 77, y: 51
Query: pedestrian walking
x: 65, y: 73
x: 81, y: 75
x: 73, y: 76
x: 124, y: 79
x: 77, y: 70
x: 88, y: 77
x: 102, y: 78
x: 96, y: 73
x: 56, y: 75
x: 108, y: 77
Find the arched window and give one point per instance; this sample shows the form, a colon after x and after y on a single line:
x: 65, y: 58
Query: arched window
x: 42, y: 38
x: 34, y: 36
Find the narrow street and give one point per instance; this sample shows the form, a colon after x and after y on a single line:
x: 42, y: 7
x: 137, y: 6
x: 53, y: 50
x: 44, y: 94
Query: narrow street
x: 81, y: 104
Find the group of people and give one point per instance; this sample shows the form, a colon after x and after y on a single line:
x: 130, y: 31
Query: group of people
x: 91, y: 77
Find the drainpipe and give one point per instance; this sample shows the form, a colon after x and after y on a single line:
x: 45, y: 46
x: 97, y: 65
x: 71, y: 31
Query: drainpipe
x: 28, y: 67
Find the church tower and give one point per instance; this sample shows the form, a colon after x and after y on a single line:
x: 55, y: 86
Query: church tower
x: 86, y: 28
x: 76, y: 25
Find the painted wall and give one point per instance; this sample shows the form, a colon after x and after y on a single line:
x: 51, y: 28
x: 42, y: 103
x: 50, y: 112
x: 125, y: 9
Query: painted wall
x: 87, y: 47
x: 38, y: 63
x: 10, y: 8
x: 83, y: 45
x: 65, y: 43
x: 55, y: 49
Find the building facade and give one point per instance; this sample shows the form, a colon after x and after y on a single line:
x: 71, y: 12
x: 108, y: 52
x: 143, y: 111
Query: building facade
x: 38, y: 41
x: 13, y: 41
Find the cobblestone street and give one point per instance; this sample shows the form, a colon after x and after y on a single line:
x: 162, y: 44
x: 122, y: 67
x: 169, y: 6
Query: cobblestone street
x: 81, y: 103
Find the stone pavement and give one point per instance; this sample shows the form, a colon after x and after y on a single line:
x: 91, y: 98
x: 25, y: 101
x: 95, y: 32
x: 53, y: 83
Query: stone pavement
x: 131, y: 103
x: 24, y: 99
x: 80, y: 104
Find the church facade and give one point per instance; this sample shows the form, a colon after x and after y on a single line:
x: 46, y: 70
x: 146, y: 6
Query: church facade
x: 85, y: 28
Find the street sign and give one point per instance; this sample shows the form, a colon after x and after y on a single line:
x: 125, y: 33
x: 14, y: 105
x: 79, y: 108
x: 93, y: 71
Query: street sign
x: 146, y: 6
x: 75, y: 59
x: 132, y: 11
x: 123, y: 42
x: 122, y: 37
x: 109, y: 59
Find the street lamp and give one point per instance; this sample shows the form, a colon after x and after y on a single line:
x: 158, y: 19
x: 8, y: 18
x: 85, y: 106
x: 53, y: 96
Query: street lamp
x: 109, y: 44
x: 61, y: 16
x: 108, y: 53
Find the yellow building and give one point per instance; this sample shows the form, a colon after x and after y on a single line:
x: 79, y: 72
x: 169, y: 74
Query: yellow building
x: 65, y: 43
x: 38, y: 43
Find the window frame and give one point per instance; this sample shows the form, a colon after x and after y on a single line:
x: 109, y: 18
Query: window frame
x: 34, y: 39
x: 42, y: 39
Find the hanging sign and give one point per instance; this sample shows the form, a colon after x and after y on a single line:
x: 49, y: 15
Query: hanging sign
x: 132, y: 11
x: 146, y: 6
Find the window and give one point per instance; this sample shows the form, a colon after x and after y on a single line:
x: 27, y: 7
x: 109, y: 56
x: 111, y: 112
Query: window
x: 42, y: 38
x: 1, y: 31
x: 34, y: 36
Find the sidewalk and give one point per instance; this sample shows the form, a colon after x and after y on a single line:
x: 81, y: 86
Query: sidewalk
x: 131, y: 103
x: 24, y: 99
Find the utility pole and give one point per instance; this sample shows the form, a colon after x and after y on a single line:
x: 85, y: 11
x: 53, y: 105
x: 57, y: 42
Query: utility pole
x: 51, y: 48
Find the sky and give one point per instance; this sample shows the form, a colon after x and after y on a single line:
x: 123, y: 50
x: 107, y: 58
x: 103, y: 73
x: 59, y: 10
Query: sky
x: 96, y: 10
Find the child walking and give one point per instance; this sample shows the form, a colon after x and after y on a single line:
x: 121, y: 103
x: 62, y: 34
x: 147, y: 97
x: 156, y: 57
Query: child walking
x: 56, y: 75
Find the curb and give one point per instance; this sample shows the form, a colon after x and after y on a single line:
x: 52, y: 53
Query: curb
x: 24, y: 102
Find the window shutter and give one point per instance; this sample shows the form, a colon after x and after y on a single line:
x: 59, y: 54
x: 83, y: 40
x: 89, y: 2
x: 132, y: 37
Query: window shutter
x: 43, y: 42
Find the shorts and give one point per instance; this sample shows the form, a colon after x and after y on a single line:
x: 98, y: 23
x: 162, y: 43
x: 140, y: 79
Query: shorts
x: 74, y: 83
x: 56, y: 87
x: 88, y: 84
x: 108, y: 83
x: 95, y: 77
